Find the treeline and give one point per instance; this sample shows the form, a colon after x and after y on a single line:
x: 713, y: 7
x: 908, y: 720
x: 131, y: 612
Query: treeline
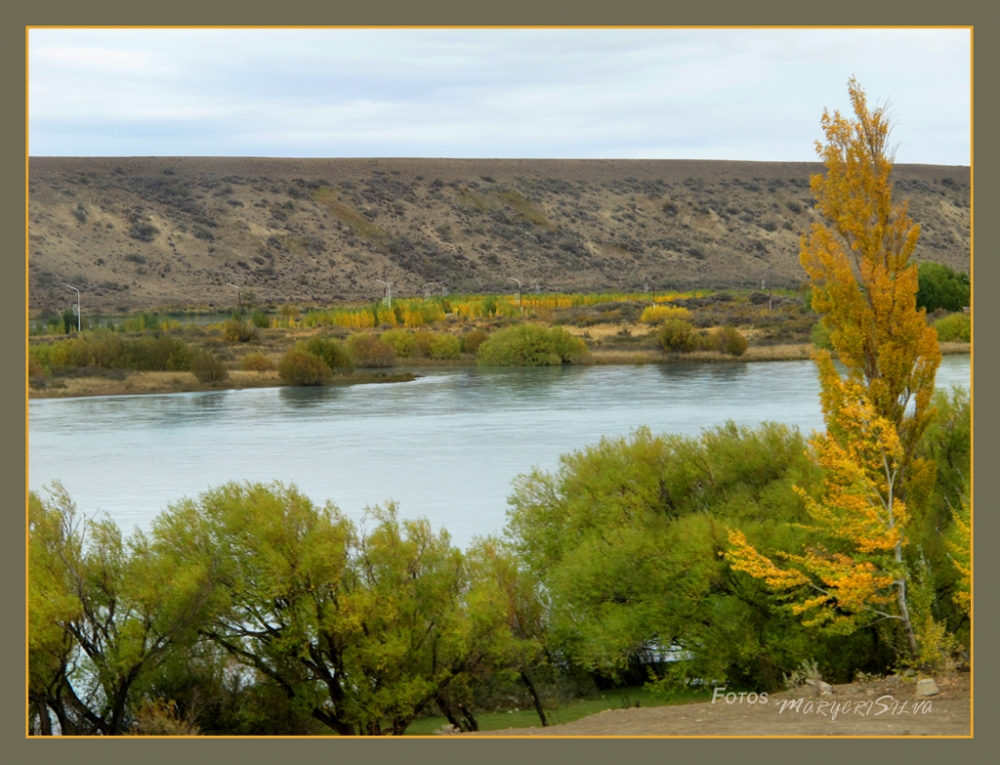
x: 252, y: 610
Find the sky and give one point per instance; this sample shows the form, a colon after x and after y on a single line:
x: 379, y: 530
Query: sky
x: 737, y: 94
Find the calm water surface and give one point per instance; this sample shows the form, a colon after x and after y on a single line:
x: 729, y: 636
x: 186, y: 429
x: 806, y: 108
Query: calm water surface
x: 445, y: 447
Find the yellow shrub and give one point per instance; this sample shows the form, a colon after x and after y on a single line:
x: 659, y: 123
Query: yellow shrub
x: 660, y: 313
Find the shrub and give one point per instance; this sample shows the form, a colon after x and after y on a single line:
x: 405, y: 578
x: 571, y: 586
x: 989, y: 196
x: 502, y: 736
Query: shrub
x: 655, y: 314
x: 207, y: 368
x: 37, y: 375
x: 401, y: 341
x: 446, y: 346
x: 239, y: 331
x: 940, y: 287
x: 957, y: 326
x: 820, y: 335
x: 472, y: 341
x: 105, y: 350
x: 529, y: 345
x: 369, y: 351
x: 260, y: 319
x: 676, y: 336
x: 144, y: 232
x: 256, y: 362
x: 731, y: 341
x: 298, y: 367
x: 332, y: 352
x: 157, y: 353
x: 422, y: 344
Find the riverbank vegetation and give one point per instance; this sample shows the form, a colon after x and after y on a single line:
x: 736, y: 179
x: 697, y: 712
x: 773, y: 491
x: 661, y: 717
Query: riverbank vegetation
x: 614, y: 329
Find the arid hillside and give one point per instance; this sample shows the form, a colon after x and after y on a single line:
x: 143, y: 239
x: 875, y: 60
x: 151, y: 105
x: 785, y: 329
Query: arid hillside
x: 170, y: 232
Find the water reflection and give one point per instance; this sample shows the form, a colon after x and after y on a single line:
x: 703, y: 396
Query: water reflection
x: 307, y: 398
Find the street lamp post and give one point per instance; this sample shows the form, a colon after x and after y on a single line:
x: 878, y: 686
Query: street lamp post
x: 78, y: 323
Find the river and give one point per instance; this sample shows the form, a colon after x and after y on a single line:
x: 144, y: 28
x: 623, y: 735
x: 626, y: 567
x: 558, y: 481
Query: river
x: 446, y: 446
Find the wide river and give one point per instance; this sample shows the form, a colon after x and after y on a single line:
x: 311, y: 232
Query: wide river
x: 446, y: 446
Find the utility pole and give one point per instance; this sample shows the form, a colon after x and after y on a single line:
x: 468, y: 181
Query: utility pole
x: 765, y: 284
x: 388, y: 292
x: 239, y: 296
x: 78, y: 320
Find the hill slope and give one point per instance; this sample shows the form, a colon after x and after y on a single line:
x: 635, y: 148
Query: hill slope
x: 173, y: 231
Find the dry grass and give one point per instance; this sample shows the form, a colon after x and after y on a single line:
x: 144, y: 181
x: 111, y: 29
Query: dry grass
x: 153, y: 382
x: 606, y: 331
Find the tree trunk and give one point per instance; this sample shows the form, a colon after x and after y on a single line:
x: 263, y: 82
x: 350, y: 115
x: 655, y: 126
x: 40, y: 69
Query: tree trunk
x: 445, y: 706
x: 905, y: 614
x: 44, y: 721
x: 534, y: 697
x: 469, y: 719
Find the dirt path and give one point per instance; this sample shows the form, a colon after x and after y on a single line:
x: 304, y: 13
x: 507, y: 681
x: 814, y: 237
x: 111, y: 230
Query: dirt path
x: 887, y: 707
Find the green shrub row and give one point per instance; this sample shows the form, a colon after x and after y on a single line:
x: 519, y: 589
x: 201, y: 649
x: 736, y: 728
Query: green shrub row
x: 955, y: 327
x: 431, y: 345
x: 531, y: 345
x: 105, y: 350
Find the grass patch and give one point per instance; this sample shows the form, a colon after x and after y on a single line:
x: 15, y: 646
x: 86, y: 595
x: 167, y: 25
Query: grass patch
x: 526, y: 209
x: 468, y: 198
x: 565, y: 713
x: 348, y: 215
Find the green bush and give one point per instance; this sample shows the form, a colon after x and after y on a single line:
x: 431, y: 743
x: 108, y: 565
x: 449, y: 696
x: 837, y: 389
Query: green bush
x: 422, y: 341
x: 957, y: 326
x: 260, y: 319
x: 401, y: 341
x: 472, y: 341
x: 207, y: 368
x: 239, y: 331
x: 529, y: 345
x: 369, y: 351
x: 940, y: 287
x: 332, y: 352
x: 676, y: 336
x: 256, y: 362
x: 446, y: 346
x: 731, y: 341
x: 298, y: 367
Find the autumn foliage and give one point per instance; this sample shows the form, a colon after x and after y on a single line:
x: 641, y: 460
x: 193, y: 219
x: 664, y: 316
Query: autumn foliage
x: 856, y: 571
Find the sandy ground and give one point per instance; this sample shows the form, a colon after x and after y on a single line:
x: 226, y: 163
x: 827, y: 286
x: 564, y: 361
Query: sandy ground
x: 886, y: 707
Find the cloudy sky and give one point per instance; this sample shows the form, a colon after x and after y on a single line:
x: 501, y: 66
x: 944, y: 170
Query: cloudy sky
x: 746, y: 94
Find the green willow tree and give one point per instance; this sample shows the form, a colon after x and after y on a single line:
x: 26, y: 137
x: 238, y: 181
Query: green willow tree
x: 624, y: 542
x: 104, y: 613
x: 362, y: 628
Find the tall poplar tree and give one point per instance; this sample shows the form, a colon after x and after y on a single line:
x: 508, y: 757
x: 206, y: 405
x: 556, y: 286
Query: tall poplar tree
x: 864, y: 286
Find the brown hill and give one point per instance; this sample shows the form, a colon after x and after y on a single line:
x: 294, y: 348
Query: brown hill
x: 161, y: 232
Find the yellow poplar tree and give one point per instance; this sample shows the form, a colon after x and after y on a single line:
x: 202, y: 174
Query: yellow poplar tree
x: 864, y: 287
